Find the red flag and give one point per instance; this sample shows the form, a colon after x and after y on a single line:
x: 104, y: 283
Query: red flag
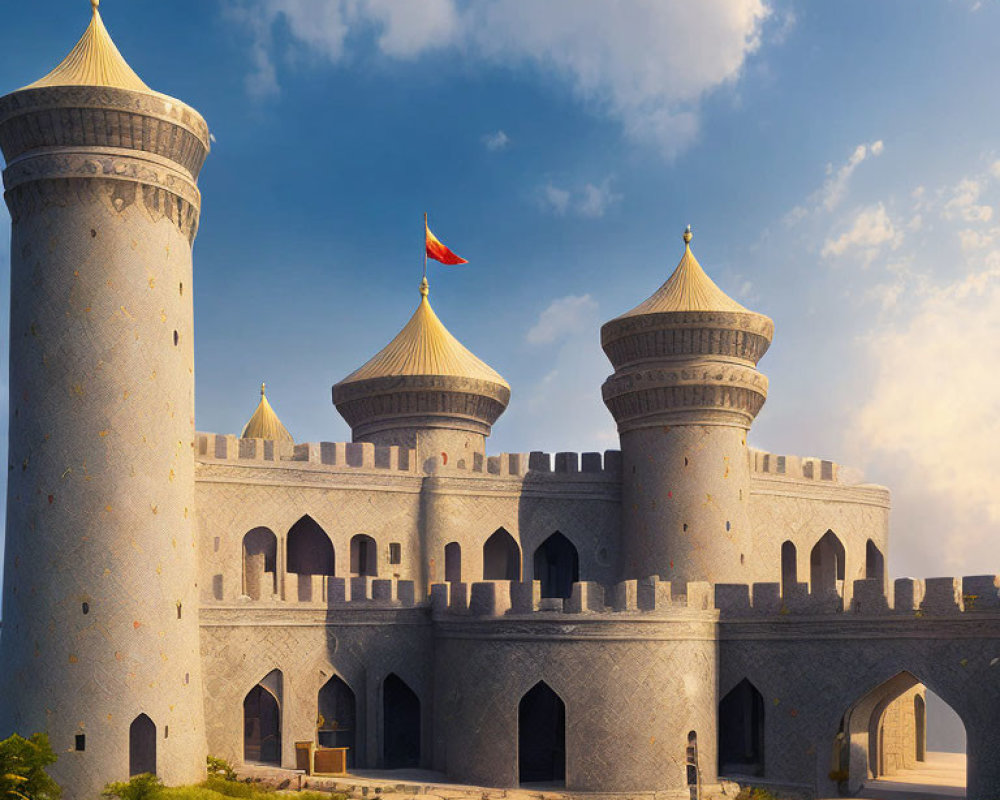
x: 438, y: 251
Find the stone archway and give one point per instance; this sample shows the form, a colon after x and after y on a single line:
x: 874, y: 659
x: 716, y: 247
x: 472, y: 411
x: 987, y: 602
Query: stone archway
x: 541, y: 736
x: 262, y: 721
x: 741, y: 731
x: 557, y: 566
x: 501, y: 557
x: 142, y: 746
x: 400, y: 724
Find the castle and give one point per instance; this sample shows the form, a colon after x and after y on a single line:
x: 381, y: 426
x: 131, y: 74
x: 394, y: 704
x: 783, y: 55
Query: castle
x: 639, y: 622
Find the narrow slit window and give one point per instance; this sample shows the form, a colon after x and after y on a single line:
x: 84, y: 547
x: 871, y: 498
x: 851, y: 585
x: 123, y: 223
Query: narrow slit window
x: 81, y: 742
x: 395, y: 553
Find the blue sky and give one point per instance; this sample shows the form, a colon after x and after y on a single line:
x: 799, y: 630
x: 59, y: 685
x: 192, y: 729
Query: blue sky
x: 839, y: 163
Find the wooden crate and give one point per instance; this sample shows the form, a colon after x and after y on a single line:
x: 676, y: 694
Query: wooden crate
x: 330, y: 761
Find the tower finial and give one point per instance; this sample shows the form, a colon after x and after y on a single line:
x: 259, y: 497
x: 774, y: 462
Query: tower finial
x: 688, y: 236
x: 94, y: 4
x: 263, y: 386
x: 424, y: 287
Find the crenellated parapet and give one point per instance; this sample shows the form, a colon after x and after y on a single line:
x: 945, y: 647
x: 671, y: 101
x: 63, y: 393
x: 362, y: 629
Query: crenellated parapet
x: 515, y: 598
x: 214, y: 448
x: 910, y: 596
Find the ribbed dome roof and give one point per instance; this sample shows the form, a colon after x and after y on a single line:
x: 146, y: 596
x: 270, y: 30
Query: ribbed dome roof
x: 688, y: 289
x: 425, y: 347
x: 264, y: 424
x: 95, y: 61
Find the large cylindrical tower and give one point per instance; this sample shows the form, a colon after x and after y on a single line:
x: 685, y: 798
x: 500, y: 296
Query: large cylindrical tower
x: 100, y: 606
x: 684, y: 393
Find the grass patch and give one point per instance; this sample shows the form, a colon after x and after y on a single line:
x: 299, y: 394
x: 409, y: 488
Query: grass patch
x: 212, y: 789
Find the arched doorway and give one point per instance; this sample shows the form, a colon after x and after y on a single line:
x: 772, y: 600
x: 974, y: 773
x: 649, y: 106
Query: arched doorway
x: 310, y: 552
x: 874, y: 561
x: 142, y: 746
x: 453, y: 562
x: 541, y: 736
x: 557, y: 566
x: 741, y: 731
x: 262, y: 721
x: 789, y: 567
x: 336, y: 721
x: 364, y: 555
x: 400, y: 724
x: 882, y: 734
x: 827, y: 563
x: 501, y: 557
x: 260, y: 557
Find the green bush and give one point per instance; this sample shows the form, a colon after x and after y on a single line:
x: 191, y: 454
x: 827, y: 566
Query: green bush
x: 220, y: 768
x: 141, y: 787
x: 22, y: 768
x: 755, y: 793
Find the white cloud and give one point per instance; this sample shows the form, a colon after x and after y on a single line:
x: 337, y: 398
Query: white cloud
x: 590, y: 200
x: 555, y: 199
x: 927, y: 410
x: 835, y: 187
x: 564, y: 317
x: 595, y: 200
x: 995, y: 169
x: 648, y: 68
x: 870, y: 229
x: 963, y: 202
x: 495, y: 141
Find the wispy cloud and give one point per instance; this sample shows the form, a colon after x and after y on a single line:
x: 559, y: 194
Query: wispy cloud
x: 870, y: 229
x: 498, y: 140
x: 564, y: 317
x: 589, y: 200
x: 616, y: 63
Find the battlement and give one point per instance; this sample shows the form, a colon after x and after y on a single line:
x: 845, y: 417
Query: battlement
x: 534, y: 463
x: 911, y: 596
x: 798, y: 467
x: 333, y: 592
x: 502, y: 598
x: 360, y: 455
x: 211, y: 447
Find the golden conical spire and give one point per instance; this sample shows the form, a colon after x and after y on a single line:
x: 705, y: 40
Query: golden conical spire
x: 95, y: 61
x: 425, y: 347
x: 688, y: 289
x: 264, y: 424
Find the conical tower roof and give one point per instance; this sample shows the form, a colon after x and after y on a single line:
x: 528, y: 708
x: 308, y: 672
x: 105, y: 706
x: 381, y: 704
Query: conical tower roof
x: 688, y: 289
x: 264, y: 424
x: 95, y: 61
x: 686, y: 316
x: 424, y: 378
x: 425, y: 347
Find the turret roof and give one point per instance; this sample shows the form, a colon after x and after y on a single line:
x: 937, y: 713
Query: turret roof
x: 95, y: 61
x: 688, y: 289
x: 425, y: 347
x: 264, y: 424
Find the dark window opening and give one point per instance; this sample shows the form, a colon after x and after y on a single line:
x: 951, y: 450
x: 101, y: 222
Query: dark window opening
x: 86, y: 608
x: 262, y: 722
x: 395, y: 553
x: 501, y: 558
x: 827, y: 564
x: 81, y: 742
x: 177, y: 338
x: 363, y: 555
x: 260, y: 558
x: 453, y: 562
x: 557, y: 566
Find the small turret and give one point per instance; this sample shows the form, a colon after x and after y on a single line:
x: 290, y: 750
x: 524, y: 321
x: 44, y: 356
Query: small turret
x: 423, y: 390
x: 264, y: 424
x: 684, y: 393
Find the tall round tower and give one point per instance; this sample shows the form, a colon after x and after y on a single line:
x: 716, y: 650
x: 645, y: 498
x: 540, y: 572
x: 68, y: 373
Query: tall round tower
x: 684, y: 393
x: 424, y: 390
x: 100, y: 611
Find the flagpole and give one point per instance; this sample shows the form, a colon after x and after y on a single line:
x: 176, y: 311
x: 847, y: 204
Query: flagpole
x: 425, y: 245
